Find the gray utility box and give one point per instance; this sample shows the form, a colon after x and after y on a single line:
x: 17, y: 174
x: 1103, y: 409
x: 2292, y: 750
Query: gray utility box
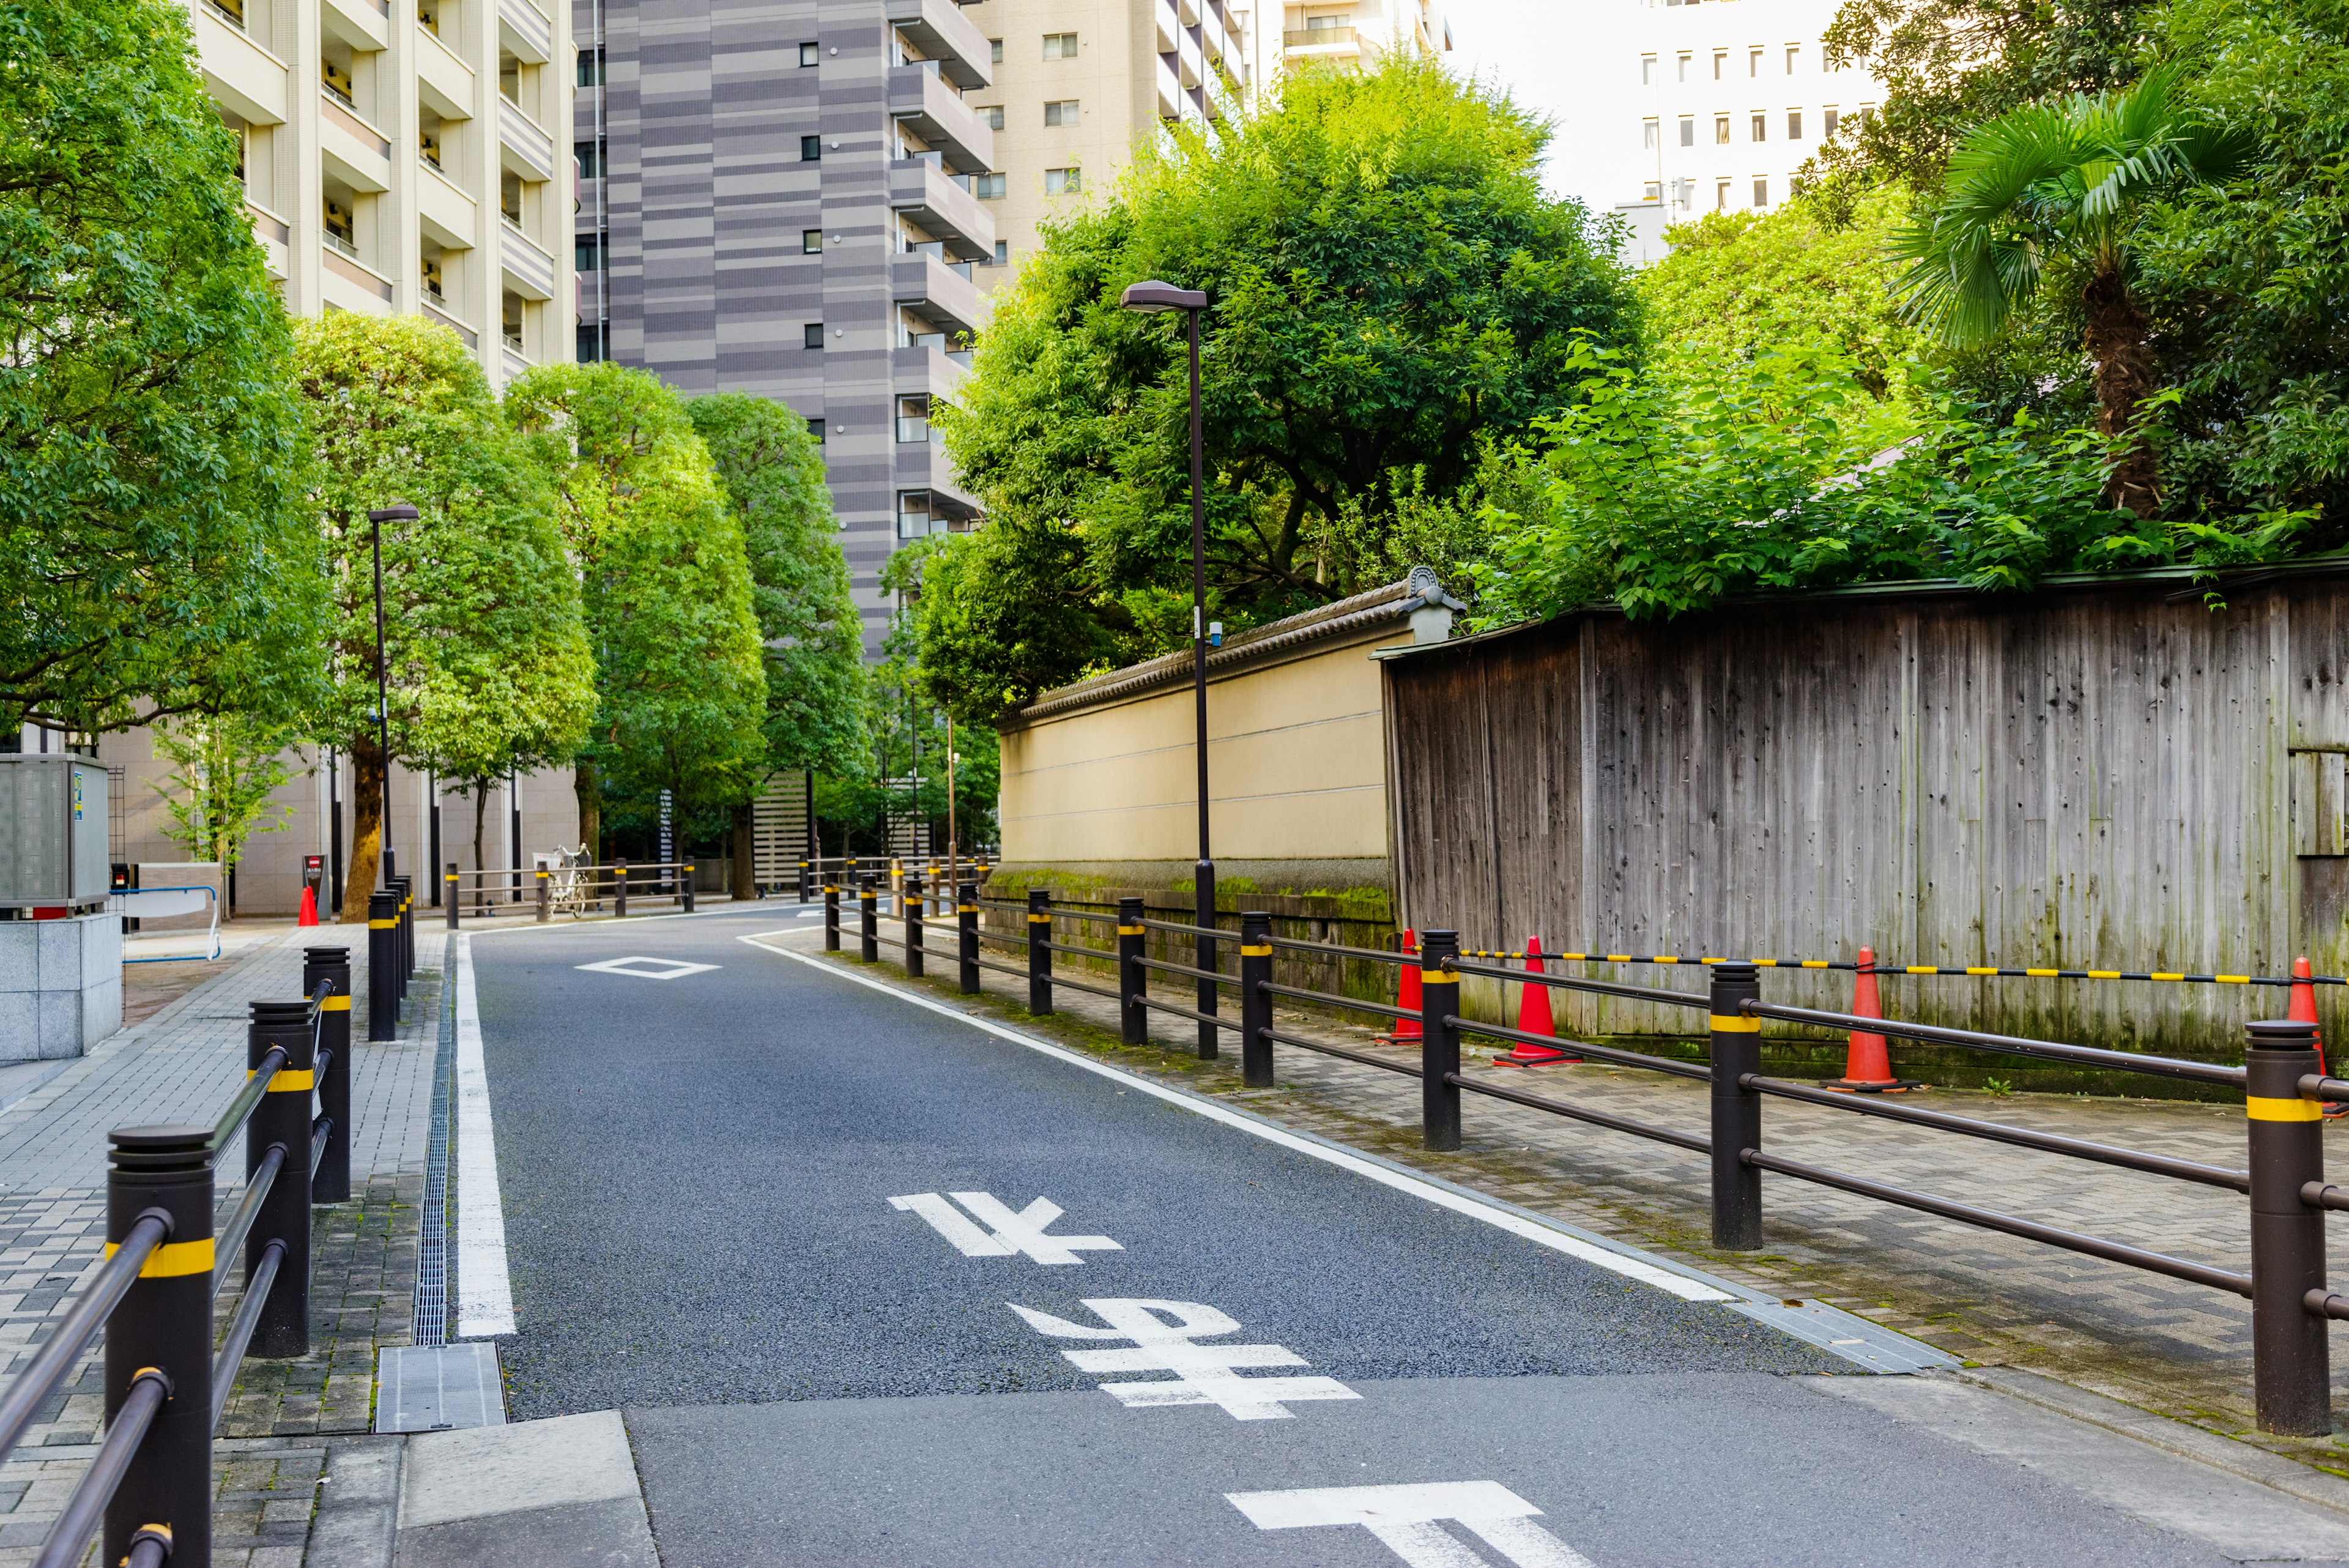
x: 53, y: 833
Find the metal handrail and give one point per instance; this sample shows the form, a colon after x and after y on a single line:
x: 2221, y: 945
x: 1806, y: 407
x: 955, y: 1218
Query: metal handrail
x: 1364, y: 1057
x: 248, y: 1099
x: 55, y: 1357
x: 1360, y: 1004
x: 248, y: 1208
x: 1600, y: 987
x: 2009, y: 1045
x: 1171, y: 967
x: 230, y: 1359
x: 1701, y: 1073
x: 70, y: 1534
x: 1582, y: 1112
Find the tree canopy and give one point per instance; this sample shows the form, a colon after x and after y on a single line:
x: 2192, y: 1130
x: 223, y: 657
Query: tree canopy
x: 1389, y: 293
x: 154, y: 553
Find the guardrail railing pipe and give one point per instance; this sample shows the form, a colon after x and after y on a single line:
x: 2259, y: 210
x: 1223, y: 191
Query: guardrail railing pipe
x: 1734, y: 1046
x: 913, y: 924
x: 383, y: 966
x: 1040, y: 953
x: 868, y: 919
x: 2291, y: 1372
x: 1133, y: 980
x: 1255, y: 1003
x: 685, y: 888
x: 1439, y: 1044
x: 333, y: 965
x: 966, y: 937
x: 165, y: 1322
x: 282, y: 1118
x: 620, y: 889
x: 831, y: 916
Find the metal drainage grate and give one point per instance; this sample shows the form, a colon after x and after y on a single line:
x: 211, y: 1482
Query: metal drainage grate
x: 1838, y: 1332
x: 431, y: 1325
x: 433, y: 1387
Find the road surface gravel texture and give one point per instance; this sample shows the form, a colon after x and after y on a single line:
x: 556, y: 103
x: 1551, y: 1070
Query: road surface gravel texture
x: 697, y: 1177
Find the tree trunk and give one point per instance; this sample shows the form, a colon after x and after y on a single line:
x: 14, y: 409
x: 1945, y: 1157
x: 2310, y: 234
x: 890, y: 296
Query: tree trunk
x: 367, y: 826
x: 590, y: 790
x: 2115, y: 340
x: 746, y: 868
x: 481, y: 806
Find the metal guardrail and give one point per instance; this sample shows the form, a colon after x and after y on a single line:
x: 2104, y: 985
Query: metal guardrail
x: 149, y: 1485
x: 2282, y: 1079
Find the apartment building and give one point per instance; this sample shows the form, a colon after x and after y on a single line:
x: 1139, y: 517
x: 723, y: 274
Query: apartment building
x: 1713, y: 106
x: 1080, y: 84
x: 1348, y: 32
x: 406, y: 157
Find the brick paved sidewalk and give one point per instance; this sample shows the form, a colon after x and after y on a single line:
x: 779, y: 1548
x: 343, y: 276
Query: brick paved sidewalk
x: 185, y: 1063
x: 2178, y: 1349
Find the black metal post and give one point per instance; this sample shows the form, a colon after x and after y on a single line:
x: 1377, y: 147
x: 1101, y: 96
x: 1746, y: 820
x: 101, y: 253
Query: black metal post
x: 1133, y: 980
x: 1736, y: 1052
x: 831, y: 916
x: 383, y: 965
x: 1255, y: 1003
x: 1206, y: 951
x: 403, y: 961
x: 1439, y: 1044
x: 2291, y: 1365
x: 914, y: 923
x: 333, y: 1182
x: 165, y: 1322
x: 620, y: 889
x: 449, y: 904
x: 807, y: 882
x: 966, y: 937
x: 868, y: 919
x: 545, y: 897
x: 282, y: 1118
x: 1039, y: 954
x: 685, y: 889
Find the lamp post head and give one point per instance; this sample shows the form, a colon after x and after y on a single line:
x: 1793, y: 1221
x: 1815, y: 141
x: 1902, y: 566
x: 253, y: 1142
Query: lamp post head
x: 1151, y: 298
x: 398, y: 512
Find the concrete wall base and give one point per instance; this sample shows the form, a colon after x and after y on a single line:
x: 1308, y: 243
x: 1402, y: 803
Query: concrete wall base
x: 60, y: 986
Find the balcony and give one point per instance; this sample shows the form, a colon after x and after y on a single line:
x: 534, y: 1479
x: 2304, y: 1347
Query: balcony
x: 921, y: 191
x: 937, y: 290
x: 531, y: 150
x: 936, y: 114
x: 522, y: 29
x: 353, y: 151
x: 940, y: 30
x: 1326, y: 40
x: 447, y: 214
x: 528, y: 271
x: 239, y: 72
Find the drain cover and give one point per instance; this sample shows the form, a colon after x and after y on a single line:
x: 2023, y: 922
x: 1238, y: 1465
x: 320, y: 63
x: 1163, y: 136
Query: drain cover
x: 431, y: 1387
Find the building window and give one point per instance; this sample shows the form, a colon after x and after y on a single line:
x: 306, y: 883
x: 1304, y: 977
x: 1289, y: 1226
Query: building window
x: 1647, y: 70
x: 587, y: 253
x: 1761, y: 128
x: 995, y: 50
x: 987, y: 187
x: 809, y: 55
x: 1648, y: 135
x: 1002, y: 251
x: 1760, y: 192
x: 993, y: 114
x: 810, y: 242
x: 1653, y: 190
x: 810, y: 148
x: 1828, y: 120
x: 1793, y: 125
x: 1063, y: 182
x: 593, y: 347
x: 1754, y: 62
x: 1064, y: 112
x: 430, y: 268
x: 1721, y: 130
x: 912, y: 513
x: 1721, y: 195
x: 590, y: 155
x: 1060, y: 46
x: 1720, y: 64
x: 591, y: 61
x: 914, y: 418
x: 1794, y: 53
x: 1865, y: 112
x: 1688, y: 130
x: 812, y: 334
x: 1684, y: 66
x: 815, y: 431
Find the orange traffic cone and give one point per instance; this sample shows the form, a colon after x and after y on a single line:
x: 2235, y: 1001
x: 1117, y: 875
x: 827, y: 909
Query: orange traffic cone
x: 309, y: 916
x: 1407, y: 994
x: 2303, y: 1011
x: 1867, y: 1064
x: 1534, y: 1018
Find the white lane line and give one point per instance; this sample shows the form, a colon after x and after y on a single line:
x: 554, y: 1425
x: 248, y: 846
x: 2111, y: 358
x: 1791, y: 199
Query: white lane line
x: 1474, y: 1208
x: 485, y: 1292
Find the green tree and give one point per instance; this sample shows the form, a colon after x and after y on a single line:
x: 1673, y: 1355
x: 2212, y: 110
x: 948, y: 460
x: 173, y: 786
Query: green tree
x: 812, y: 637
x: 665, y: 581
x: 154, y: 555
x: 1389, y: 296
x: 485, y: 654
x: 225, y: 768
x: 2068, y: 183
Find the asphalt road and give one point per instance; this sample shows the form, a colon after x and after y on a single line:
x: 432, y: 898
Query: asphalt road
x: 734, y: 1209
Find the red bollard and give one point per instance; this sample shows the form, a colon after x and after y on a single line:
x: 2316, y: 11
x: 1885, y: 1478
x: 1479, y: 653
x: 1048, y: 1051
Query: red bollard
x: 1867, y: 1064
x: 1534, y: 1017
x: 1407, y: 995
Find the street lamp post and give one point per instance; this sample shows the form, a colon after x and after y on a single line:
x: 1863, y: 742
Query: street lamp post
x: 1150, y: 299
x: 398, y: 511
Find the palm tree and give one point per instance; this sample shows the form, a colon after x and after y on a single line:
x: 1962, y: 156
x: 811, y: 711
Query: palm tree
x: 2069, y: 179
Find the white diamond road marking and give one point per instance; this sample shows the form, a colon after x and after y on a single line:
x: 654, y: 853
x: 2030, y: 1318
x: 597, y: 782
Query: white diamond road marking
x: 646, y: 968
x: 1204, y: 1373
x: 1013, y: 1233
x: 1408, y: 1520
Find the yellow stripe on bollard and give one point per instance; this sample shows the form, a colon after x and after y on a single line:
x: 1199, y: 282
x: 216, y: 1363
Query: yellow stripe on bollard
x: 173, y: 1258
x: 1122, y: 930
x: 2261, y: 1109
x: 1735, y: 1025
x: 1255, y: 953
x: 334, y: 1005
x: 290, y: 1081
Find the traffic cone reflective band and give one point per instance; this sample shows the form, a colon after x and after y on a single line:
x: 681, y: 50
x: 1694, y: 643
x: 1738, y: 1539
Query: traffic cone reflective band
x: 2303, y: 1011
x: 310, y: 908
x: 1867, y: 1064
x: 1534, y: 1018
x: 1407, y: 995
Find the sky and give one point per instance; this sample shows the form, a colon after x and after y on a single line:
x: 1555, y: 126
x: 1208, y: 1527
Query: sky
x: 1530, y: 47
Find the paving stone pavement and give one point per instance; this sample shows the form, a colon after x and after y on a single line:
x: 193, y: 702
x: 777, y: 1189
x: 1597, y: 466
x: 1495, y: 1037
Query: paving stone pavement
x: 2162, y: 1344
x: 185, y: 1064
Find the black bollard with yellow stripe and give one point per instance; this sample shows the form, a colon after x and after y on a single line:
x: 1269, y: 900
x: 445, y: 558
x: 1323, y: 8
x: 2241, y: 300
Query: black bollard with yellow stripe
x: 383, y: 966
x: 1039, y: 952
x: 1255, y: 1003
x: 282, y: 1120
x: 1736, y: 1052
x: 333, y: 965
x: 831, y: 916
x: 868, y: 919
x: 404, y: 929
x: 1133, y: 980
x: 966, y: 937
x: 1439, y: 1042
x: 450, y: 902
x: 685, y: 889
x: 165, y: 1323
x: 2292, y: 1374
x: 911, y: 908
